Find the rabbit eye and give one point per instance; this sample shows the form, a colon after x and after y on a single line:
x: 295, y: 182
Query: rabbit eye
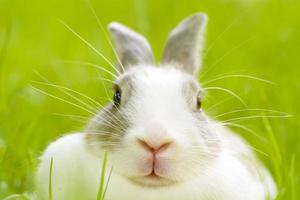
x: 199, y: 102
x: 117, y: 97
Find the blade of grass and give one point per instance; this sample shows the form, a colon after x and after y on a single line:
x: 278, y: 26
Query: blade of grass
x: 107, y: 182
x: 277, y: 159
x: 293, y: 177
x: 102, y: 178
x: 50, y: 179
x: 3, y: 53
x: 17, y: 197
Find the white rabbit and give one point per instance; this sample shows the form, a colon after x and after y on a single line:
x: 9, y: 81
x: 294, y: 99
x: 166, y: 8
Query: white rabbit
x: 161, y: 144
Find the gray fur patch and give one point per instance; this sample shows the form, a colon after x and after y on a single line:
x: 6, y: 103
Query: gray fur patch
x: 190, y: 90
x: 107, y: 129
x: 109, y: 126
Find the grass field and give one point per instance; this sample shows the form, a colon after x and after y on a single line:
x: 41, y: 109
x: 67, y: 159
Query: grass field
x: 245, y: 39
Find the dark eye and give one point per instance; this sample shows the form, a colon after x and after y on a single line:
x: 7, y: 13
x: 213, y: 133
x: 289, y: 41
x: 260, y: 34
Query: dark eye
x: 199, y: 102
x: 117, y: 97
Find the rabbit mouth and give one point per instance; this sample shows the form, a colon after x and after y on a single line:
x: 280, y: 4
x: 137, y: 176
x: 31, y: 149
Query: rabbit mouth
x: 152, y: 180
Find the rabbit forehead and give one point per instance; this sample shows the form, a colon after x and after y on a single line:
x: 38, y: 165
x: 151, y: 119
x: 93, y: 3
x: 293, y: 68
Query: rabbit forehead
x: 165, y: 79
x: 150, y: 89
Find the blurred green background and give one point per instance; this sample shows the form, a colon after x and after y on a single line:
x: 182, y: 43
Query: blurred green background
x: 259, y: 38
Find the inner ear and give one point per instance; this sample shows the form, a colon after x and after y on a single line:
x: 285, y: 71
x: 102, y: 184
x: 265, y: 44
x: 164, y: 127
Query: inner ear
x: 185, y: 43
x: 132, y: 48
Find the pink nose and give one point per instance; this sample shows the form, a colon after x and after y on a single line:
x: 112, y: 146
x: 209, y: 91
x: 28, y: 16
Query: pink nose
x: 154, y: 147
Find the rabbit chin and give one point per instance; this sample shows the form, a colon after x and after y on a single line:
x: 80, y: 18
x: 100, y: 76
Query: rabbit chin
x: 150, y: 178
x: 152, y: 181
x: 164, y: 176
x: 156, y: 177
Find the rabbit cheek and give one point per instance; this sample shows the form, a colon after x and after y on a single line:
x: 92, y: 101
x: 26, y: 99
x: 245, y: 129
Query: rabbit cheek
x: 106, y: 130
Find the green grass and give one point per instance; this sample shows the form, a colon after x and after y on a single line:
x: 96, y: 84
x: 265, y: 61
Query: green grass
x: 50, y: 180
x: 245, y: 38
x: 100, y: 195
x: 102, y: 185
x: 292, y: 175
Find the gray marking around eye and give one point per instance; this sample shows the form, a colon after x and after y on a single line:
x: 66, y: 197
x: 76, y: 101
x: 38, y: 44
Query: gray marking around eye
x: 125, y: 83
x: 107, y: 129
x: 190, y: 90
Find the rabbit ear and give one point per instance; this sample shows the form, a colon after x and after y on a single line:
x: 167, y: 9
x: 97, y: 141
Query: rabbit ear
x: 185, y: 43
x: 132, y: 48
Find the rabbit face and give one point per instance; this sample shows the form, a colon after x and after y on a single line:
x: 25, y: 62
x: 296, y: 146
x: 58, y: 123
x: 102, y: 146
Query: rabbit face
x: 168, y: 138
x: 155, y: 130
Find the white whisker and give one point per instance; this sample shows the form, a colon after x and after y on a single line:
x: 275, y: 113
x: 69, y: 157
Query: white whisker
x: 246, y: 129
x: 92, y: 65
x: 89, y: 45
x: 105, y: 35
x: 238, y: 76
x: 63, y: 100
x: 217, y: 104
x: 220, y: 35
x: 257, y: 116
x: 226, y: 54
x: 62, y: 89
x: 249, y: 109
x: 229, y: 92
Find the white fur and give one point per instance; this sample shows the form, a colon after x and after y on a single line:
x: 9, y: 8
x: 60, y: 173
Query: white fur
x: 76, y: 176
x: 76, y: 168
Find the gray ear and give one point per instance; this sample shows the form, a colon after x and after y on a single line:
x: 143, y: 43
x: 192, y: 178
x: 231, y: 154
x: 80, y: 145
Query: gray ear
x: 132, y: 48
x: 185, y: 43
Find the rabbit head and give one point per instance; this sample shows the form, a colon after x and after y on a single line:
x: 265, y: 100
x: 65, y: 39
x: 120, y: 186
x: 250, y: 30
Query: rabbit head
x: 155, y: 130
